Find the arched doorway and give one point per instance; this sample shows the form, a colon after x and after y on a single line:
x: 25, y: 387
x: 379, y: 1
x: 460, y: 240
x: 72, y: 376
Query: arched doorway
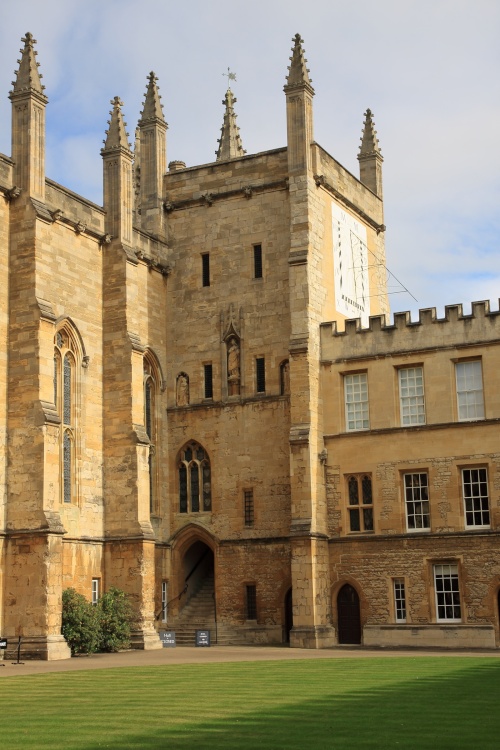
x: 349, y: 619
x: 197, y: 569
x: 288, y: 620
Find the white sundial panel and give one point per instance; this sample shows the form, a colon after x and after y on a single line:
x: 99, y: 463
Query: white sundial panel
x: 350, y: 266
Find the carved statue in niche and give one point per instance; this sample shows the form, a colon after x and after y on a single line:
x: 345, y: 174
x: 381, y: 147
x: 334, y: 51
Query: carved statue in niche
x: 285, y: 377
x: 182, y: 396
x: 233, y: 366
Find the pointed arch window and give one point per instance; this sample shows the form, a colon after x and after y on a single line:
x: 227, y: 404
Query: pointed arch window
x: 152, y: 379
x: 195, y: 494
x: 66, y: 355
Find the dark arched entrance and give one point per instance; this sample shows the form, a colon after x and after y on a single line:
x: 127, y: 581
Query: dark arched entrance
x: 288, y: 622
x: 349, y: 620
x: 197, y: 606
x: 197, y: 567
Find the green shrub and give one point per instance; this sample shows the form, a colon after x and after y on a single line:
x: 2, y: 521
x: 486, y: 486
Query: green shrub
x: 115, y: 617
x: 104, y: 626
x: 80, y: 623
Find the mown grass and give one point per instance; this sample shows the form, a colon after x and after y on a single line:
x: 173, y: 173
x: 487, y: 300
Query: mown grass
x: 419, y: 703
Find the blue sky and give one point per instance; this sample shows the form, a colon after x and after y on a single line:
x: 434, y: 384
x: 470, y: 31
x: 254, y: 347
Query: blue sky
x: 429, y: 70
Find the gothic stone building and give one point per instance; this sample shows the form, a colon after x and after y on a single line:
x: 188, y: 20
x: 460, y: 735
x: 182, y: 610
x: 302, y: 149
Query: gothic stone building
x: 202, y: 401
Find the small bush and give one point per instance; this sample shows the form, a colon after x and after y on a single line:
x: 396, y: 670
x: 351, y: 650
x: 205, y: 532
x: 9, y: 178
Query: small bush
x: 80, y: 623
x: 104, y: 626
x: 115, y: 617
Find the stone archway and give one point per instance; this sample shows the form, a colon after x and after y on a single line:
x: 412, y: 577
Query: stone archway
x: 349, y: 617
x: 197, y: 568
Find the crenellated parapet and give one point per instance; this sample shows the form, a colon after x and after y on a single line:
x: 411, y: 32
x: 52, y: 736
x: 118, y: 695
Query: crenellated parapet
x: 381, y: 339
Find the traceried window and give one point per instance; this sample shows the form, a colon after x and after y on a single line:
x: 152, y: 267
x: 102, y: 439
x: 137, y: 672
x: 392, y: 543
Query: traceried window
x: 476, y: 500
x: 66, y: 354
x: 195, y: 494
x: 470, y: 400
x: 447, y: 591
x: 360, y: 502
x: 399, y: 599
x: 411, y: 395
x: 356, y: 401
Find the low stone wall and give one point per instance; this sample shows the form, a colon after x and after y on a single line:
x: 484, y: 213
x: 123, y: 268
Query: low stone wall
x: 429, y: 636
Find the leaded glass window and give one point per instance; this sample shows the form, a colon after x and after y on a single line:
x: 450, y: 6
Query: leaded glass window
x: 360, y: 502
x: 194, y: 480
x: 151, y: 379
x: 65, y: 391
x: 67, y: 467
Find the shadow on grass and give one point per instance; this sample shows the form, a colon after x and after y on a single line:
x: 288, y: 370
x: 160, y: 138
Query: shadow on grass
x: 450, y: 711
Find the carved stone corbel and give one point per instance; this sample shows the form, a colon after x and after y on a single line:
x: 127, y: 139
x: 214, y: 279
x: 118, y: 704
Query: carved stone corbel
x: 13, y: 193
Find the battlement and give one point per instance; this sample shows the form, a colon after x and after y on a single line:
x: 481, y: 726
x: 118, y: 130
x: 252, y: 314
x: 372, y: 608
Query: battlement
x: 455, y: 329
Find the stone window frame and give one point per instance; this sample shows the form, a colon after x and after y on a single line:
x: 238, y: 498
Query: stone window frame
x: 469, y: 385
x: 248, y: 507
x: 399, y: 600
x: 480, y: 502
x: 205, y: 270
x: 412, y: 402
x: 185, y: 474
x: 69, y: 359
x: 208, y: 381
x: 448, y: 599
x: 260, y: 375
x: 356, y: 401
x: 95, y: 590
x: 152, y: 384
x: 258, y: 261
x: 164, y: 601
x: 251, y: 607
x: 358, y: 501
x: 411, y: 499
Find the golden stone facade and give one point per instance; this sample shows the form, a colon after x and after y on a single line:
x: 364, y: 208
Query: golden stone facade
x: 202, y: 401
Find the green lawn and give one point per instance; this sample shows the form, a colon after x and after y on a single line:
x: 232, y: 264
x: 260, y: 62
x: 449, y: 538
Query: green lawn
x: 418, y: 703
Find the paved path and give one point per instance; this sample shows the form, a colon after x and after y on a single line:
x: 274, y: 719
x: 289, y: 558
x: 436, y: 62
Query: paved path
x: 192, y: 655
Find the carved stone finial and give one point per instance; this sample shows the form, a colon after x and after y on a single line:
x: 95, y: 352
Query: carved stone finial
x: 117, y: 136
x: 298, y: 73
x: 152, y: 110
x: 369, y: 141
x: 230, y: 146
x: 27, y: 75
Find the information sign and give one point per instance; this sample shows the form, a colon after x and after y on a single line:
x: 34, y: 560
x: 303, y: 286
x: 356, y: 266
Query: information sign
x: 167, y: 638
x: 203, y: 637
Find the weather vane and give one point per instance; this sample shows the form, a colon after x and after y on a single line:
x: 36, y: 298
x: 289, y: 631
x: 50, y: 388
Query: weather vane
x: 230, y: 76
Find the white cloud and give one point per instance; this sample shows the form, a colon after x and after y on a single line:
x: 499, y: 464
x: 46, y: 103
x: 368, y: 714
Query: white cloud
x: 428, y: 70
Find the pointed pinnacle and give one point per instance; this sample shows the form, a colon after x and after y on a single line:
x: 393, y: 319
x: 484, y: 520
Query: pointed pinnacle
x: 117, y: 136
x: 369, y: 140
x: 27, y: 75
x: 298, y: 73
x: 230, y: 146
x: 152, y: 108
